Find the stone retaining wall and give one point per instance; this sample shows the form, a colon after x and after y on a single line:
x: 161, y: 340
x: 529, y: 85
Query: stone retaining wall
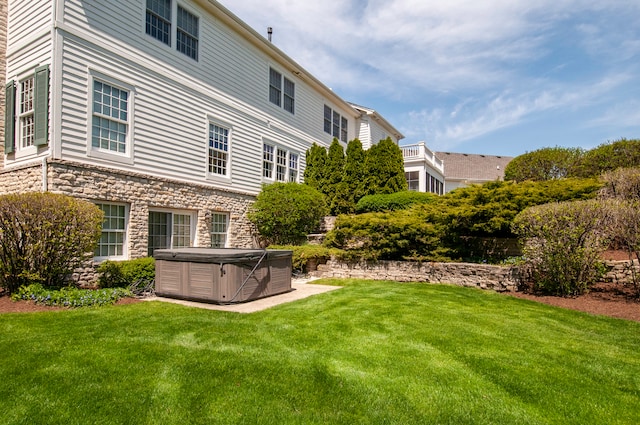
x: 483, y: 276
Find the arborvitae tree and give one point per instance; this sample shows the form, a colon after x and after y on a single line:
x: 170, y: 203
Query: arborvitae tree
x: 384, y: 168
x: 543, y: 164
x: 315, y: 171
x: 334, y: 173
x: 354, y: 175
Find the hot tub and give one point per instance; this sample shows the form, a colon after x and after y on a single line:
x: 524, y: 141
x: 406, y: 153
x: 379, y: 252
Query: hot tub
x: 222, y: 276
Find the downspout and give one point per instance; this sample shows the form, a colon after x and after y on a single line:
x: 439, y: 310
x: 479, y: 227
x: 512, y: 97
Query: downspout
x: 45, y: 175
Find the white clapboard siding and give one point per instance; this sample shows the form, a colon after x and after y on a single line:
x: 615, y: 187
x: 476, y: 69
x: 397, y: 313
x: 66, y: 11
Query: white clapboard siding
x: 174, y: 96
x: 26, y: 20
x: 227, y: 60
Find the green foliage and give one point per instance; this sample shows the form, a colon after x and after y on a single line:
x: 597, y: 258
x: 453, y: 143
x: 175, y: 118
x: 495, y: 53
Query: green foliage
x: 122, y: 274
x: 622, y: 153
x: 393, y: 201
x: 284, y: 213
x: 302, y: 254
x: 563, y: 243
x: 352, y: 187
x: 315, y: 171
x: 489, y: 209
x: 471, y: 223
x: 384, y: 167
x: 44, y: 237
x: 622, y: 183
x: 543, y: 164
x: 396, y: 235
x: 69, y: 297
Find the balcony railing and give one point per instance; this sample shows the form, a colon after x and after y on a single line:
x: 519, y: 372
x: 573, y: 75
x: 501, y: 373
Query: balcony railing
x: 420, y: 152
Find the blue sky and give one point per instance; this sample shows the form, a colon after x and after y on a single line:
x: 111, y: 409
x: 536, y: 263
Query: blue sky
x: 496, y: 77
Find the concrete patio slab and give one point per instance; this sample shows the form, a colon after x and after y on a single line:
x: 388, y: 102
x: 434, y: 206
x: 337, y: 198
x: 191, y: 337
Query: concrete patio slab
x: 301, y: 289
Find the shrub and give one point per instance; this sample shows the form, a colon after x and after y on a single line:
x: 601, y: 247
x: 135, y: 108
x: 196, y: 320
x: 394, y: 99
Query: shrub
x: 543, y: 164
x: 393, y: 202
x: 623, y: 183
x: 123, y: 274
x: 562, y: 244
x: 44, y: 237
x: 303, y: 254
x: 625, y: 231
x: 622, y: 153
x: 395, y: 235
x: 284, y: 213
x: 69, y: 297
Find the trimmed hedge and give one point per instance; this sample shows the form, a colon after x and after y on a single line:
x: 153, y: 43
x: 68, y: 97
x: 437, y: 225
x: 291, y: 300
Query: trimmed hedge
x: 123, y: 274
x: 393, y: 202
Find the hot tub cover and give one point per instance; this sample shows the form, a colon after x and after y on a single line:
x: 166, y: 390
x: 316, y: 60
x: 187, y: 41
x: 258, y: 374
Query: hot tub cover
x: 219, y: 255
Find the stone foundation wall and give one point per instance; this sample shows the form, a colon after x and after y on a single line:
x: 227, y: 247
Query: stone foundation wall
x: 140, y: 193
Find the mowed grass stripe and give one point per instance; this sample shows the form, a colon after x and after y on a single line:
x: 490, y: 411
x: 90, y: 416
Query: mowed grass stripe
x: 372, y: 352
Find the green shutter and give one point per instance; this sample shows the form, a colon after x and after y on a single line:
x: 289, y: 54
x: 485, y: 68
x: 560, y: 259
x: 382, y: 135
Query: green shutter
x: 10, y: 118
x: 41, y: 106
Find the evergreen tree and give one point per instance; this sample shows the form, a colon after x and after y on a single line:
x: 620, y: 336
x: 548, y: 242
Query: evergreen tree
x: 314, y: 173
x: 354, y: 175
x: 333, y: 178
x: 384, y: 168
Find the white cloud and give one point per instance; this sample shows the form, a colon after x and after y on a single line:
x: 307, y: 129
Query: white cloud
x: 490, y: 64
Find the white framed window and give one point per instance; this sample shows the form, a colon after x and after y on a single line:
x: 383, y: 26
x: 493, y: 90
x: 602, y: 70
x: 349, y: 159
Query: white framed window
x: 279, y: 164
x: 335, y: 125
x: 112, y: 243
x: 413, y: 180
x: 275, y: 87
x: 166, y: 20
x: 218, y: 151
x: 158, y: 20
x: 110, y: 118
x: 327, y: 119
x: 282, y: 91
x: 170, y: 229
x: 267, y: 161
x: 293, y: 167
x: 26, y: 113
x: 218, y: 229
x: 187, y: 33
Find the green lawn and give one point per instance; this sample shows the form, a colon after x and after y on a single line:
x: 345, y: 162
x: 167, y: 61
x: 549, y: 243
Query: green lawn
x: 370, y: 353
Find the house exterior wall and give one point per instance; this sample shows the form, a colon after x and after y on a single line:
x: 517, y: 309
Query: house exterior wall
x: 171, y: 101
x: 172, y: 97
x: 3, y: 71
x: 139, y: 193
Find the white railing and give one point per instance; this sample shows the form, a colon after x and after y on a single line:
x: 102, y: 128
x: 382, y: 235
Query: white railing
x: 420, y: 152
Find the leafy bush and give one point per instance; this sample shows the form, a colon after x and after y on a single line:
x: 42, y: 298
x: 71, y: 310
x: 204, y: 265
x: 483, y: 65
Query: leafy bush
x: 396, y: 235
x: 69, y: 297
x: 303, y: 254
x: 393, y: 202
x: 543, y: 164
x: 284, y: 213
x: 622, y: 153
x: 622, y: 183
x: 563, y: 243
x: 122, y: 274
x: 44, y: 237
x: 489, y: 209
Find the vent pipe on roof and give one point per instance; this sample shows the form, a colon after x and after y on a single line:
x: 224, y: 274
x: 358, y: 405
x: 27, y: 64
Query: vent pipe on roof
x: 269, y: 33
